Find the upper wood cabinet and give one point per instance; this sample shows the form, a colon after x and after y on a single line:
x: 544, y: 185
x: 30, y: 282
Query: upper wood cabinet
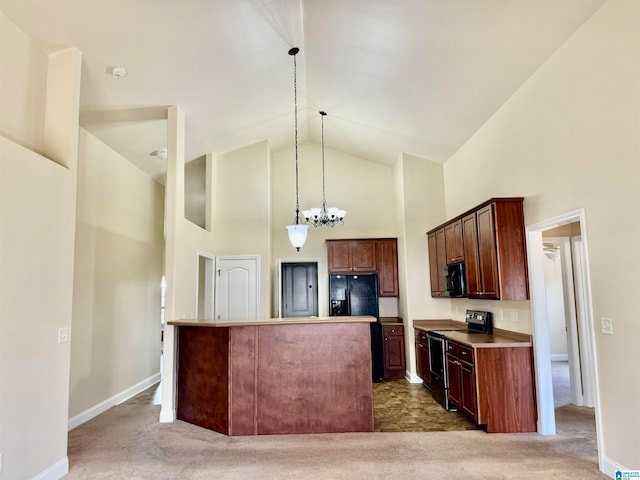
x: 348, y: 256
x: 494, y: 251
x: 496, y: 263
x: 378, y: 255
x: 387, y: 263
x: 437, y: 261
x: 453, y: 242
x: 363, y: 255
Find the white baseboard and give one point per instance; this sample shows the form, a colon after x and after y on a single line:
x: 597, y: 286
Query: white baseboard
x: 609, y: 467
x: 167, y: 416
x: 559, y: 357
x: 413, y: 378
x: 55, y: 471
x: 96, y: 410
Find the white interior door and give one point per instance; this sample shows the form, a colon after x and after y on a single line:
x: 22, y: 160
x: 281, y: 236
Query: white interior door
x: 587, y: 359
x: 237, y: 288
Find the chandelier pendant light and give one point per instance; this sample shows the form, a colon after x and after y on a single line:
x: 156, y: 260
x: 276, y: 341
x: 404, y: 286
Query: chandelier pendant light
x: 297, y: 231
x: 323, y: 216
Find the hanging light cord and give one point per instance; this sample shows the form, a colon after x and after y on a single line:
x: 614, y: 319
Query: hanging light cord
x: 293, y: 52
x: 324, y: 197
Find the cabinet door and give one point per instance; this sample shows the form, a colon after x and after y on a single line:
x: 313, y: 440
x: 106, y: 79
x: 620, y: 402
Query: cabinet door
x: 423, y: 369
x: 468, y: 390
x: 471, y: 263
x: 418, y: 356
x: 339, y: 256
x: 426, y: 365
x: 393, y: 351
x: 487, y: 254
x: 454, y: 252
x: 363, y: 255
x: 387, y: 261
x: 453, y: 375
x: 433, y: 264
x: 442, y: 260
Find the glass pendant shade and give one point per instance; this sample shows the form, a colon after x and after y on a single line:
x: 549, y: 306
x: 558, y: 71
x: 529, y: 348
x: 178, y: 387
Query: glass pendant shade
x: 297, y: 235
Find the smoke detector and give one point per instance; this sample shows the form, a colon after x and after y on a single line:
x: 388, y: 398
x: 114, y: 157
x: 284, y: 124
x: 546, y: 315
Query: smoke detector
x: 161, y: 154
x: 117, y: 72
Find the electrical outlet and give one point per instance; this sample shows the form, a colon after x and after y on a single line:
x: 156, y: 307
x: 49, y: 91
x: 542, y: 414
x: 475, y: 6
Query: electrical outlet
x: 606, y: 326
x: 63, y: 335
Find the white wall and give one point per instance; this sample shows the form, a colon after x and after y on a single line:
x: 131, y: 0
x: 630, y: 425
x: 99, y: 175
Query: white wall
x: 568, y: 139
x: 243, y: 210
x: 420, y: 206
x: 119, y: 254
x: 184, y: 241
x: 37, y: 229
x: 37, y: 217
x: 23, y: 84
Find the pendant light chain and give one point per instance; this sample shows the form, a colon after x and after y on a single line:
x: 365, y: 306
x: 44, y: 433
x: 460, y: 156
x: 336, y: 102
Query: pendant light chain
x: 323, y: 216
x: 324, y: 196
x: 295, y: 117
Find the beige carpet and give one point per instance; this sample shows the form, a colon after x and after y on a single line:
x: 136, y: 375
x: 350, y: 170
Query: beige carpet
x: 127, y: 442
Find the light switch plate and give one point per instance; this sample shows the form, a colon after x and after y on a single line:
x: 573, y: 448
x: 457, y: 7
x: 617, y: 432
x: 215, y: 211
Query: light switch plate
x: 606, y: 326
x: 63, y: 335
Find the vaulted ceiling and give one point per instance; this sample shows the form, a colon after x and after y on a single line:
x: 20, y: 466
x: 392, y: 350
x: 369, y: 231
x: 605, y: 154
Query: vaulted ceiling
x: 415, y: 76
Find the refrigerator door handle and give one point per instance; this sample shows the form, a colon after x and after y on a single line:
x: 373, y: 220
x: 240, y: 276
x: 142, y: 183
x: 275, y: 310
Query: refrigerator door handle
x: 347, y: 296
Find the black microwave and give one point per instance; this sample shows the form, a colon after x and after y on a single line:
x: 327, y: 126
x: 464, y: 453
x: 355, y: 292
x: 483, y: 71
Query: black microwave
x: 454, y: 280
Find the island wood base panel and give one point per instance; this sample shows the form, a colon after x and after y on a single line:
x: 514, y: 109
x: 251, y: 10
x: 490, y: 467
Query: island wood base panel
x: 276, y: 379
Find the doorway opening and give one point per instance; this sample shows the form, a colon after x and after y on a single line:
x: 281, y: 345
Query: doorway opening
x: 204, y: 302
x: 575, y: 306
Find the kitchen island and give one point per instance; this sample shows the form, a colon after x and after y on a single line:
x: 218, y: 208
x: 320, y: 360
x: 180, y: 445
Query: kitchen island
x: 275, y: 376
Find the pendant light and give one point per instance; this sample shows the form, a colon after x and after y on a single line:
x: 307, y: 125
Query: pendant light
x: 324, y: 216
x: 297, y: 231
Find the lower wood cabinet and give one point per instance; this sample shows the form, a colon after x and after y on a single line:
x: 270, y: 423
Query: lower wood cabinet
x: 461, y: 376
x: 393, y: 350
x: 423, y: 366
x: 494, y: 386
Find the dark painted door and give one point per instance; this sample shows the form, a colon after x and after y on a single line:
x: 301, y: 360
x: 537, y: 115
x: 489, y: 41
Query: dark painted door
x: 300, y: 289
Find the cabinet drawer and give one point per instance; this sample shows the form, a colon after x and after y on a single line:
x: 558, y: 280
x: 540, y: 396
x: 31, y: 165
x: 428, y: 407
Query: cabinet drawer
x: 453, y: 349
x: 390, y: 331
x: 421, y: 337
x: 465, y: 354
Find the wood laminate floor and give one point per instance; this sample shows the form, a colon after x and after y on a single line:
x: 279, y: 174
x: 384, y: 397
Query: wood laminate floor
x: 399, y: 406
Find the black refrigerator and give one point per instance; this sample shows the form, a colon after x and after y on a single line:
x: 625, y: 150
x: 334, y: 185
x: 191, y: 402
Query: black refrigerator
x: 355, y: 295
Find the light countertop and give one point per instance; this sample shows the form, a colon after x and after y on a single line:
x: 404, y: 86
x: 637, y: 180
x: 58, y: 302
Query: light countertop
x: 457, y: 331
x: 197, y: 322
